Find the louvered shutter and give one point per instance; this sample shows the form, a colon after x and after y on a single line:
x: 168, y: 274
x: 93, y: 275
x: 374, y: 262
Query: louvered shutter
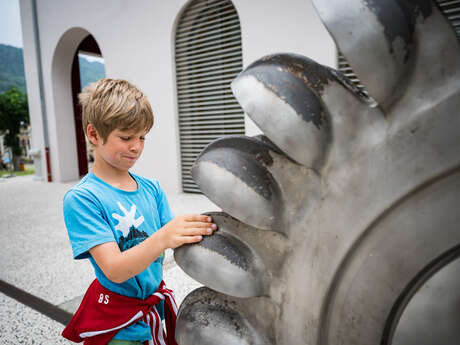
x: 208, y: 57
x: 450, y: 9
x: 345, y: 68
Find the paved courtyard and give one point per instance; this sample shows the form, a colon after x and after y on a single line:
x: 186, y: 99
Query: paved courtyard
x: 36, y: 257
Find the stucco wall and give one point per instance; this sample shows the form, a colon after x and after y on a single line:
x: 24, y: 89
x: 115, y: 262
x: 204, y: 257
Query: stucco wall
x: 137, y: 43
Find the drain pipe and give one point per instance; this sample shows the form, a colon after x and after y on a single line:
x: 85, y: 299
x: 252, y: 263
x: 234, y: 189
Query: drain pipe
x: 41, y: 90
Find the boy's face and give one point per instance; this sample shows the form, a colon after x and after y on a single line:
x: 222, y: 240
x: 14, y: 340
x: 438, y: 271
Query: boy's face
x: 121, y: 149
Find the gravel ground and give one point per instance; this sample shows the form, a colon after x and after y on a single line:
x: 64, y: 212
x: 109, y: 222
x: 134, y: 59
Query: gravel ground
x: 22, y: 325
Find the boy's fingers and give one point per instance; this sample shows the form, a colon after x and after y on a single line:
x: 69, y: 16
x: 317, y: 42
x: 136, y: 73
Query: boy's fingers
x: 192, y: 239
x: 199, y: 231
x: 197, y: 218
x: 200, y: 225
x: 190, y: 225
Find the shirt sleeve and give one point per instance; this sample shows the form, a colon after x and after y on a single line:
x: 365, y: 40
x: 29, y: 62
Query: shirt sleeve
x: 166, y: 215
x: 85, y: 224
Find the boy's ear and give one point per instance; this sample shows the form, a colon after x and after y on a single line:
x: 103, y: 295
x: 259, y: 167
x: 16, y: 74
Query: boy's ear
x: 92, y: 134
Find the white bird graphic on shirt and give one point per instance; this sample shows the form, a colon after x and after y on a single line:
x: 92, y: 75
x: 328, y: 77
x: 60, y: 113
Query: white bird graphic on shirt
x: 125, y: 222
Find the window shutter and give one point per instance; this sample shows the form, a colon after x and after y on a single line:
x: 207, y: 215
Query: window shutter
x: 208, y: 57
x: 451, y: 10
x: 345, y: 68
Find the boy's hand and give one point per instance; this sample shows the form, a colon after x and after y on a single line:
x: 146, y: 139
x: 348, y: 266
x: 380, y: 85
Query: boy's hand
x: 187, y: 229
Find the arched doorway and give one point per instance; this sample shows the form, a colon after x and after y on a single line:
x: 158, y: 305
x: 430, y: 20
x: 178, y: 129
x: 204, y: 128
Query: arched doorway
x: 63, y: 127
x: 87, y: 47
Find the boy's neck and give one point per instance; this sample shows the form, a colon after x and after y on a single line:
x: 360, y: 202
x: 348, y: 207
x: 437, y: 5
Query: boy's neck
x: 120, y: 179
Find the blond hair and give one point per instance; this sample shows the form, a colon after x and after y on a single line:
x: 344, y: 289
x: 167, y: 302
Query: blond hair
x: 110, y: 104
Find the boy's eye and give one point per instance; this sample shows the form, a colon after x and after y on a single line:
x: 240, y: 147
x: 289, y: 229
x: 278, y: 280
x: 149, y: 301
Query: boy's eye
x: 142, y: 138
x: 125, y: 138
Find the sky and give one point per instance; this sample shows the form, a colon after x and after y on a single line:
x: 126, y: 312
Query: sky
x: 10, y: 23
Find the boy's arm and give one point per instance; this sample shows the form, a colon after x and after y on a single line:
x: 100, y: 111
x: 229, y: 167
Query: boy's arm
x: 120, y: 266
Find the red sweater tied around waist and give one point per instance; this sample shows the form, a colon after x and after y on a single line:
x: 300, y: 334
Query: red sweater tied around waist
x: 102, y: 313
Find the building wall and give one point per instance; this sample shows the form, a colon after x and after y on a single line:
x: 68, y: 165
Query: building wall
x: 137, y: 43
x: 37, y: 139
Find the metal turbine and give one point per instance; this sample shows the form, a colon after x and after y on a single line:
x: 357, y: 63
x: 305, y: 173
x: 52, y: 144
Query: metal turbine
x: 342, y: 224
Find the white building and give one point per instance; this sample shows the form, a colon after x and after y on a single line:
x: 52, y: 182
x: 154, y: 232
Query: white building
x: 147, y: 42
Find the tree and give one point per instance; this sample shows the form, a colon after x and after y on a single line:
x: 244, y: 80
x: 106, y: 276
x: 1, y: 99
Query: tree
x: 14, y: 113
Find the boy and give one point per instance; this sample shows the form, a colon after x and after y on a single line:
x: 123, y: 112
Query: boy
x: 122, y: 222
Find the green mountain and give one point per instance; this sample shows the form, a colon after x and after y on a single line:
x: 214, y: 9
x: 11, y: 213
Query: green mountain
x: 12, y: 69
x: 90, y: 71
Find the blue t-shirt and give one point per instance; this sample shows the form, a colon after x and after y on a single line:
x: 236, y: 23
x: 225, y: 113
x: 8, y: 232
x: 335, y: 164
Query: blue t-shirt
x: 96, y: 212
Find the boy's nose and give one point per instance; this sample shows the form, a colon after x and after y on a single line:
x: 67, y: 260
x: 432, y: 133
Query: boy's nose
x: 136, y: 146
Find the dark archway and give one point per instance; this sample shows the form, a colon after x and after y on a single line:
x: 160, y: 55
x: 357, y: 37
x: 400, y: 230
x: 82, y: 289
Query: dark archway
x: 88, y: 46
